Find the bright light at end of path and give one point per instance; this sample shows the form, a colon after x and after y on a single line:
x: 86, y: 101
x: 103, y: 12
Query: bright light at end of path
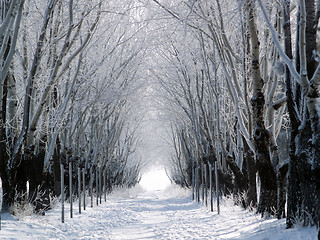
x: 155, y: 179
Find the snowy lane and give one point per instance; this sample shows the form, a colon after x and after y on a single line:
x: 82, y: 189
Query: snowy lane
x: 163, y: 217
x: 151, y: 215
x: 156, y: 218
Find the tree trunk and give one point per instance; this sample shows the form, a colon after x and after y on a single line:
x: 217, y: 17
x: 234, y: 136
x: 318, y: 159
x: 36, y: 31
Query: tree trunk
x: 40, y: 184
x: 56, y: 169
x: 14, y: 180
x: 293, y: 188
x: 304, y: 167
x: 312, y: 193
x: 250, y: 173
x: 10, y: 33
x: 261, y: 136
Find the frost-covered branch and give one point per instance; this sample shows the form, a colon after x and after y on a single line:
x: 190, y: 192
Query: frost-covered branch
x: 283, y: 55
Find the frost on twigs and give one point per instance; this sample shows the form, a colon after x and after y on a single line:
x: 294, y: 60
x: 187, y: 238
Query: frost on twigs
x: 25, y: 206
x: 242, y: 199
x: 21, y: 206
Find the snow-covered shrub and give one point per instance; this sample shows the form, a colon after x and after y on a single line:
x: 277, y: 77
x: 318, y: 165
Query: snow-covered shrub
x: 25, y: 205
x: 21, y: 207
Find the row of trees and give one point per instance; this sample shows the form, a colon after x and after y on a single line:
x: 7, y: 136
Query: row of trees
x: 68, y: 71
x: 239, y: 80
x: 242, y: 78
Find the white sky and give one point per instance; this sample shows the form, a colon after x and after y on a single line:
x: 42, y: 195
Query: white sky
x: 155, y: 179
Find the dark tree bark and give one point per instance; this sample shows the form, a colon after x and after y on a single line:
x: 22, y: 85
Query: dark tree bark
x: 293, y: 188
x: 250, y: 172
x: 40, y: 184
x: 311, y: 36
x: 304, y: 168
x: 14, y: 180
x: 8, y: 175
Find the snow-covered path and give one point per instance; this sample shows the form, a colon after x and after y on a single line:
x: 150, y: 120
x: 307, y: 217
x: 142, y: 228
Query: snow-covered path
x: 151, y: 215
x: 162, y: 217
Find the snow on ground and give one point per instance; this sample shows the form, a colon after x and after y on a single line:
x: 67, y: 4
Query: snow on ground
x: 159, y: 214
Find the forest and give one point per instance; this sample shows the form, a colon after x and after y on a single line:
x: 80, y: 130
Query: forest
x: 230, y: 90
